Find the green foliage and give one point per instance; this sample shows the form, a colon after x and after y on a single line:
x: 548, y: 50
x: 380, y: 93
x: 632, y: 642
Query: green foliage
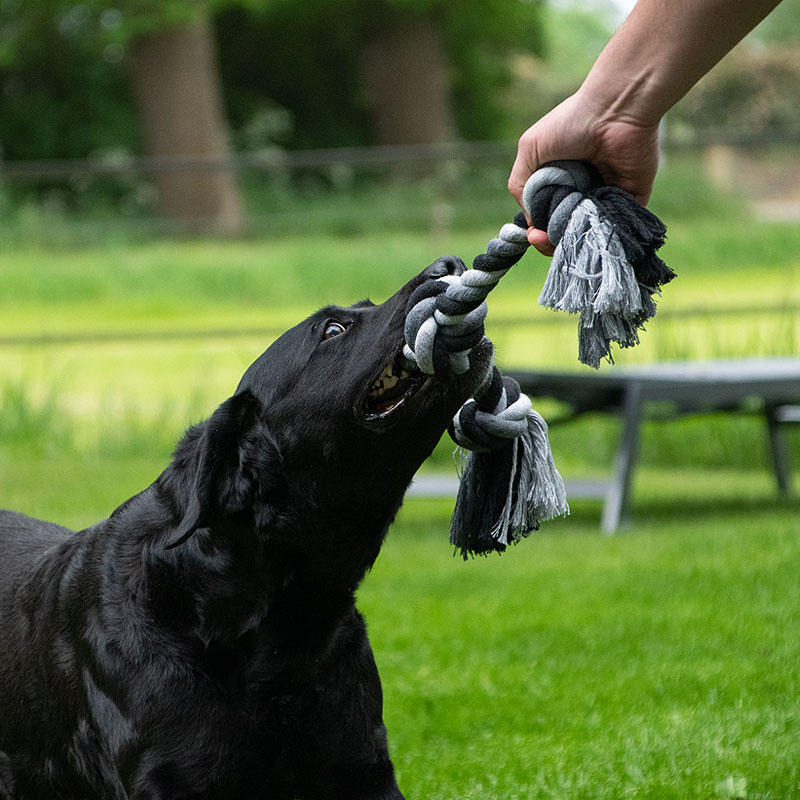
x: 291, y: 71
x: 481, y: 43
x: 285, y: 51
x: 63, y: 93
x: 64, y: 89
x: 753, y: 93
x: 301, y: 59
x: 33, y: 427
x: 573, y: 34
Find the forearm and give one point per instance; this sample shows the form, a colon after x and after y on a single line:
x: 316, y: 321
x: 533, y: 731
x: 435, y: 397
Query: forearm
x: 661, y: 50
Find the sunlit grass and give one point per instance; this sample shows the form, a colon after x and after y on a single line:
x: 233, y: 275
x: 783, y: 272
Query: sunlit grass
x: 660, y: 663
x: 656, y: 664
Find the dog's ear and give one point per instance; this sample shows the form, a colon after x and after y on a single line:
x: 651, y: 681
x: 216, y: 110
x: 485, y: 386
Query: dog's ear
x: 237, y: 464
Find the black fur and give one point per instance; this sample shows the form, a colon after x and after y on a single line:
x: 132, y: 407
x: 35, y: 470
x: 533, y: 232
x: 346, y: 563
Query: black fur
x: 203, y: 641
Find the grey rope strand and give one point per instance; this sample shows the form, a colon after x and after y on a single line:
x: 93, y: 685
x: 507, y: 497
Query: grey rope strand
x: 443, y: 324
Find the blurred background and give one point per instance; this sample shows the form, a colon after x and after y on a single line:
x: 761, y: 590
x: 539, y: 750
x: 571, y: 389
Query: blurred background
x: 181, y: 181
x: 236, y: 115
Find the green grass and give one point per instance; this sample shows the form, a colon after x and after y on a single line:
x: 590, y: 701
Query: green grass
x: 661, y: 663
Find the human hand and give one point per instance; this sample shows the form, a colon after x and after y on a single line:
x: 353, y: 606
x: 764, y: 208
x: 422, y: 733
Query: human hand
x: 624, y: 152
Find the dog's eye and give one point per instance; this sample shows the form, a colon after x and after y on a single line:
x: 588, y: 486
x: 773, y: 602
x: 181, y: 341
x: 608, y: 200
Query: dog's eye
x: 333, y: 329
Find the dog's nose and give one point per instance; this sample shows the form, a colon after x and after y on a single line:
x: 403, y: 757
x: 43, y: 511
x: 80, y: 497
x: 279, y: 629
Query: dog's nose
x: 446, y: 265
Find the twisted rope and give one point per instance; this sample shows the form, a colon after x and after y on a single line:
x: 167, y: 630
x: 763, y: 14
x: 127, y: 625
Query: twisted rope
x: 510, y: 482
x: 444, y: 318
x: 604, y: 268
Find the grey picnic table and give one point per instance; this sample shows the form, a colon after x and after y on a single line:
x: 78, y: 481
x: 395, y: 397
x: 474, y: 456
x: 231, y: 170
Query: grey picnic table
x: 768, y: 386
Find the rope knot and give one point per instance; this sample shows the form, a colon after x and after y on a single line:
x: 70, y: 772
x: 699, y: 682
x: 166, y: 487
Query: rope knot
x: 553, y: 192
x: 605, y: 266
x: 497, y: 413
x: 443, y: 323
x: 604, y: 269
x: 444, y: 317
x: 510, y: 483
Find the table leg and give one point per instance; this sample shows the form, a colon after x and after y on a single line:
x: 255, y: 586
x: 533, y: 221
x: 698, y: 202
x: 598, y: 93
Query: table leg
x: 779, y: 451
x: 617, y: 501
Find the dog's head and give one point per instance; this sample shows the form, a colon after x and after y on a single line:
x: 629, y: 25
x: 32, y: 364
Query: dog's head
x: 327, y: 427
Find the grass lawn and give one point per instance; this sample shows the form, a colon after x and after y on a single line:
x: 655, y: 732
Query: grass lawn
x: 661, y: 663
x: 658, y: 664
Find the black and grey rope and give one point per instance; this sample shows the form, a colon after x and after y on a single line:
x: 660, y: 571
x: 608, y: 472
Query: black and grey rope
x: 605, y: 268
x: 445, y: 318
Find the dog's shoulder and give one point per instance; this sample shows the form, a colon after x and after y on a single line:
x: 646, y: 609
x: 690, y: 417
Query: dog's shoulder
x: 13, y: 523
x: 23, y: 539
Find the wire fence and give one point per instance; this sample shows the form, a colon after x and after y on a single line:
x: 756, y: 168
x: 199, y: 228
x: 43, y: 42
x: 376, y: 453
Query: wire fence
x: 120, y: 163
x: 443, y: 182
x: 786, y: 313
x: 267, y: 160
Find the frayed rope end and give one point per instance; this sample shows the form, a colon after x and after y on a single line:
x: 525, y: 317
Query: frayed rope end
x: 605, y: 266
x: 505, y: 492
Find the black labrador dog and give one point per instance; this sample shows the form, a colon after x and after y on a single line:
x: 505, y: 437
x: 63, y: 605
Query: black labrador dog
x: 203, y: 642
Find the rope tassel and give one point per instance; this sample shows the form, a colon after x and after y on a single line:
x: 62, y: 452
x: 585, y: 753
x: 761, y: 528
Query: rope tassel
x: 510, y: 483
x: 605, y: 266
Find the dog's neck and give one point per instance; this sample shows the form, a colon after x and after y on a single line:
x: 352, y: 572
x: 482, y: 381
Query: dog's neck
x: 216, y: 603
x: 277, y: 590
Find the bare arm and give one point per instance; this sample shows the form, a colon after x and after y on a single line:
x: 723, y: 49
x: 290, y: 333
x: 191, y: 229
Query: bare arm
x: 661, y: 50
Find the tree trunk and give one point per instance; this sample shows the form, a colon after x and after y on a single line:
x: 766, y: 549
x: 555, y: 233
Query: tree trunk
x: 179, y: 97
x: 407, y: 83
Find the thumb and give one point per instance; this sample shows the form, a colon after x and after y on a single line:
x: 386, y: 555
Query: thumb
x: 539, y: 240
x: 523, y: 168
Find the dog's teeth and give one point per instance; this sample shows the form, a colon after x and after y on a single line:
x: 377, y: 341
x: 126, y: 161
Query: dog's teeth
x: 388, y: 379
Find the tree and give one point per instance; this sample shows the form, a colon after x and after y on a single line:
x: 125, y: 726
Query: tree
x: 406, y: 80
x: 65, y: 50
x: 177, y: 89
x: 175, y: 75
x: 377, y: 71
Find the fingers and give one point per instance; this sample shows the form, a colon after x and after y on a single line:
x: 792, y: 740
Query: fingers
x: 520, y: 172
x: 524, y: 166
x: 539, y: 240
x: 527, y: 161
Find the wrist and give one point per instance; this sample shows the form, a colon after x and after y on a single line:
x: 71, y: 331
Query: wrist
x: 631, y: 96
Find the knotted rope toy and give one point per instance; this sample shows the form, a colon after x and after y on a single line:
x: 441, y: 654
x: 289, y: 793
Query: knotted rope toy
x: 604, y: 268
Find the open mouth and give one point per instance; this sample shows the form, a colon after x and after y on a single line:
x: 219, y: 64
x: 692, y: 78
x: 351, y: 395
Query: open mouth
x: 391, y: 390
